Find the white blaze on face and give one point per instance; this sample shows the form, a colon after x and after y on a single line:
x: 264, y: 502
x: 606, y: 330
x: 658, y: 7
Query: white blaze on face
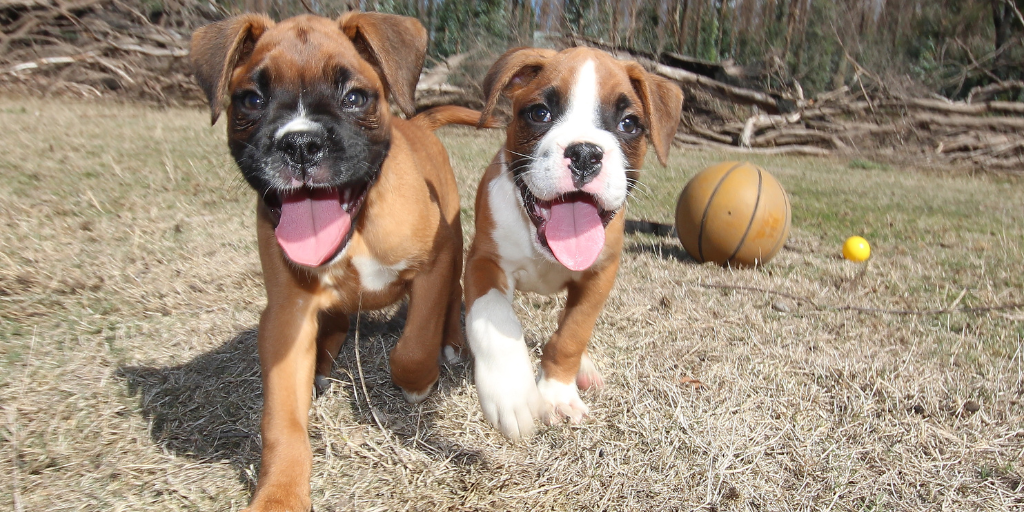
x: 298, y: 123
x: 549, y: 176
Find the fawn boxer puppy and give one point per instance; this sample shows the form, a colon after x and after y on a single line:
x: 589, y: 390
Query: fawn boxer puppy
x: 355, y: 208
x: 549, y: 217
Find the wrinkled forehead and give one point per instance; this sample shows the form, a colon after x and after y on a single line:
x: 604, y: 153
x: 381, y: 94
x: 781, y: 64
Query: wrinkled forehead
x: 307, y: 50
x: 567, y: 70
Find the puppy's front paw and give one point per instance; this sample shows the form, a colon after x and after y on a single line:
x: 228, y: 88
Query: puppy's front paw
x: 588, y: 376
x: 451, y: 355
x: 562, y: 401
x: 509, y: 396
x: 279, y: 500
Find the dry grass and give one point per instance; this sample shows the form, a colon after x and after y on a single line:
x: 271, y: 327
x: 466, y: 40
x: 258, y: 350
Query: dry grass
x: 130, y: 290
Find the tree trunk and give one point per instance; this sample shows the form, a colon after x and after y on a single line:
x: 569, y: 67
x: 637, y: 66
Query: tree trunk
x: 801, y: 31
x: 615, y: 23
x: 522, y: 16
x: 794, y: 6
x: 572, y: 16
x: 839, y: 79
x: 1002, y: 20
x: 722, y: 12
x: 633, y: 7
x: 260, y: 6
x: 696, y: 32
x: 681, y: 19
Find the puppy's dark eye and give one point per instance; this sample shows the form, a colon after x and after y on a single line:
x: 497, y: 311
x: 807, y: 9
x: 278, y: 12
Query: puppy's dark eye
x: 539, y: 114
x: 629, y: 124
x: 252, y: 101
x: 354, y: 99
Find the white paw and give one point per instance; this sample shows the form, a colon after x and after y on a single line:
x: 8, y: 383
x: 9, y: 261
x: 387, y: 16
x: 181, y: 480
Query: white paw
x: 414, y: 397
x: 563, y: 401
x: 588, y: 376
x: 502, y: 368
x: 508, y: 395
x: 451, y: 355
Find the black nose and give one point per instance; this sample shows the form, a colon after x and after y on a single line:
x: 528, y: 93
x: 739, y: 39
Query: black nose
x: 302, y: 148
x: 584, y: 162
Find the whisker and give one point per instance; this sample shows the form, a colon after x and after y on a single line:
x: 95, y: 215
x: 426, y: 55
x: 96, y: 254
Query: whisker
x: 640, y: 187
x: 531, y: 157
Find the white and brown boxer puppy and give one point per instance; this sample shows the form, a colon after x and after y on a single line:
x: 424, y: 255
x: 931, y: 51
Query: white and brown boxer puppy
x: 356, y: 209
x: 549, y: 217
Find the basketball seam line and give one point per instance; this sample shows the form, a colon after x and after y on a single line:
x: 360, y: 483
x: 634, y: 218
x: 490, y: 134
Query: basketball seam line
x: 704, y: 216
x: 753, y: 215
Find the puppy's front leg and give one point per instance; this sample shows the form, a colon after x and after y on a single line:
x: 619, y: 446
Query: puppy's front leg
x: 414, y: 360
x: 560, y: 363
x: 287, y: 350
x: 502, y: 368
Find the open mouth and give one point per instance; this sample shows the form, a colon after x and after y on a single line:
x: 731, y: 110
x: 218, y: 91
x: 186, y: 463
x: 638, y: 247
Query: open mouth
x: 570, y: 226
x: 313, y: 225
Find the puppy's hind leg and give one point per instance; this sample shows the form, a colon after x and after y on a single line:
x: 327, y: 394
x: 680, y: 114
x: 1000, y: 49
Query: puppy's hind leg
x: 454, y: 343
x: 588, y: 377
x: 329, y: 339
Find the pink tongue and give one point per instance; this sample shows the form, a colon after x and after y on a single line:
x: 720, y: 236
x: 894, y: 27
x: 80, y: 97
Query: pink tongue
x: 313, y: 225
x: 575, y: 233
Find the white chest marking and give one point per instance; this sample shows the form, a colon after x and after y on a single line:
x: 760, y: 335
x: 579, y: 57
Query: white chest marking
x: 375, y: 277
x: 528, y: 268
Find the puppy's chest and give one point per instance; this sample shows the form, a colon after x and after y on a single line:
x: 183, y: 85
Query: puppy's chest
x: 364, y: 281
x: 540, y: 276
x: 528, y: 268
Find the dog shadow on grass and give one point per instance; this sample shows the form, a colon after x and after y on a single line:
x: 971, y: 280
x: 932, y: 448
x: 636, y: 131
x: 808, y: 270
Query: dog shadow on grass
x: 666, y: 250
x: 655, y: 239
x: 209, y: 408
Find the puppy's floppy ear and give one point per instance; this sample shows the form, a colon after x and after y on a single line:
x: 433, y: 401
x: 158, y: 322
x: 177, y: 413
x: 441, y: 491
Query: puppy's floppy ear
x: 395, y: 45
x: 663, y: 106
x: 218, y: 48
x: 510, y: 73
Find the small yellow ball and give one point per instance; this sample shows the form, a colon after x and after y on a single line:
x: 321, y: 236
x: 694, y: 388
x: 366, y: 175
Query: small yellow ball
x: 856, y: 249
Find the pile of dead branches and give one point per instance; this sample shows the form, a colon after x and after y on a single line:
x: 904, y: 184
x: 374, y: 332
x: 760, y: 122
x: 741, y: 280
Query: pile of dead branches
x: 984, y: 133
x: 129, y: 48
x: 870, y: 117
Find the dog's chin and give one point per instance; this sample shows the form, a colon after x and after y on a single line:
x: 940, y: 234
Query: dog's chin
x: 540, y: 213
x: 314, y: 224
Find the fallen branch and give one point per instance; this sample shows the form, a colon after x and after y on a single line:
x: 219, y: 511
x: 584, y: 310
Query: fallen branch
x: 797, y: 136
x: 761, y: 121
x: 732, y: 93
x: 987, y: 91
x: 151, y: 50
x: 708, y: 134
x: 782, y: 150
x: 997, y: 123
x: 48, y: 61
x: 995, y: 107
x: 438, y: 75
x: 735, y: 94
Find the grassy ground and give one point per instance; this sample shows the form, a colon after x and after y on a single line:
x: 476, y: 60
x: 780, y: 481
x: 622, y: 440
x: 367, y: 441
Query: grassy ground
x: 130, y: 290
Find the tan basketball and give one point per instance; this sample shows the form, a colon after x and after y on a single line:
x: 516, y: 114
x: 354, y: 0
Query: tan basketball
x: 733, y: 213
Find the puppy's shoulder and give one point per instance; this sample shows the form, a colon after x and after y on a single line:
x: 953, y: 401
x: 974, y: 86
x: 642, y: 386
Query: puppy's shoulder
x: 415, y: 137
